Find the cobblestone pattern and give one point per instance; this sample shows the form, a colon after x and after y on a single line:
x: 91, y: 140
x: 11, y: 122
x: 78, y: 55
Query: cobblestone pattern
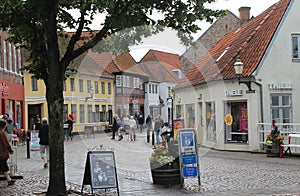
x: 219, y: 171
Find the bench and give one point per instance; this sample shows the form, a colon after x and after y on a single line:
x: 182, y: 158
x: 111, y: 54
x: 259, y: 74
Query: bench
x: 289, y: 145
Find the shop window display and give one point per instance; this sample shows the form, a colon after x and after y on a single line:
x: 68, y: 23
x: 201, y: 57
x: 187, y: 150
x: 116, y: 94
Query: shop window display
x: 236, y: 122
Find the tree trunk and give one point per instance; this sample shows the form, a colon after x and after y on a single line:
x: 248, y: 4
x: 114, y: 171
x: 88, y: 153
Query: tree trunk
x: 55, y: 100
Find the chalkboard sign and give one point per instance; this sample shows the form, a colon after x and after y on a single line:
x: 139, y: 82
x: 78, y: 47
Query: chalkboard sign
x: 100, y: 170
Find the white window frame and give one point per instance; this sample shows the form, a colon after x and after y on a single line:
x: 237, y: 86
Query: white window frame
x: 118, y: 80
x: 295, y: 38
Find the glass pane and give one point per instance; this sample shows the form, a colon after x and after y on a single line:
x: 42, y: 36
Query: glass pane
x: 285, y: 100
x: 275, y: 114
x: 286, y: 113
x: 275, y: 101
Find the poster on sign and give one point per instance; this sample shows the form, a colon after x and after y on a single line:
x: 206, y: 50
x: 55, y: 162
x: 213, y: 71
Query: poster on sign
x: 187, y: 141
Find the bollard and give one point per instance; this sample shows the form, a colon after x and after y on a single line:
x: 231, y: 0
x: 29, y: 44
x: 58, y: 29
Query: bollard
x: 28, y: 143
x: 152, y: 138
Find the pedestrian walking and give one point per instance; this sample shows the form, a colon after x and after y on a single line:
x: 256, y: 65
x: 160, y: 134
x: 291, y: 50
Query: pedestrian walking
x: 9, y: 124
x: 125, y: 122
x: 37, y: 125
x: 164, y: 131
x: 158, y: 123
x: 5, y: 151
x: 44, y: 142
x: 149, y: 127
x: 140, y: 119
x: 70, y: 122
x: 115, y: 127
x: 132, y: 124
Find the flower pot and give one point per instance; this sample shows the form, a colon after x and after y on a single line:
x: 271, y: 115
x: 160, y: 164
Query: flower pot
x: 166, y: 176
x: 273, y: 151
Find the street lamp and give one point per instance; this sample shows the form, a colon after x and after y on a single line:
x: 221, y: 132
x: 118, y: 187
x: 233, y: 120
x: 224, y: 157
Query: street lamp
x: 170, y: 101
x: 238, y: 67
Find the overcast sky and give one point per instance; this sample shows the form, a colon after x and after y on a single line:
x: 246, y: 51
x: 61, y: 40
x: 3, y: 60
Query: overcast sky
x: 169, y: 42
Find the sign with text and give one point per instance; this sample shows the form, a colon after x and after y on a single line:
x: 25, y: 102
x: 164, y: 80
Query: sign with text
x: 189, y: 159
x: 187, y: 141
x: 190, y: 171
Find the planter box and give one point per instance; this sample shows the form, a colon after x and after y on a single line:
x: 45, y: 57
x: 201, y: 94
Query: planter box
x: 166, y: 176
x: 273, y: 151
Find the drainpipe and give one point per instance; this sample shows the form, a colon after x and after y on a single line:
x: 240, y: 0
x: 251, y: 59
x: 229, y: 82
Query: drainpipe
x: 261, y: 103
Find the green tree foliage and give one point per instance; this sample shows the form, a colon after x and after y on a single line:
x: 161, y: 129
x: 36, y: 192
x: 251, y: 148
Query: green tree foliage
x: 39, y: 27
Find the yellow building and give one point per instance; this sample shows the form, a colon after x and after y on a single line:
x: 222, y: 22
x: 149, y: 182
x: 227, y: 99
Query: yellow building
x: 88, y: 93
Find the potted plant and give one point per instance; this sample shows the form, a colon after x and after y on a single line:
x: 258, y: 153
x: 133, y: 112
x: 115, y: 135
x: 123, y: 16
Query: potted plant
x: 273, y: 141
x: 164, y: 163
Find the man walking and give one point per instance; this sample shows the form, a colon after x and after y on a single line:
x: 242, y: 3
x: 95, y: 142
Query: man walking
x: 140, y: 120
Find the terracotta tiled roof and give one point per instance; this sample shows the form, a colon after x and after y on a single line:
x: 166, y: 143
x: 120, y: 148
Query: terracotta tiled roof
x: 125, y: 63
x: 249, y: 43
x: 159, y: 72
x: 164, y: 57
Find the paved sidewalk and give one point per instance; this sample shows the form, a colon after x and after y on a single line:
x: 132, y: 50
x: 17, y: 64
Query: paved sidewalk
x: 222, y: 173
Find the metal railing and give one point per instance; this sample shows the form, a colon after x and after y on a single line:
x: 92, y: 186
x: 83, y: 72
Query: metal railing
x: 285, y: 129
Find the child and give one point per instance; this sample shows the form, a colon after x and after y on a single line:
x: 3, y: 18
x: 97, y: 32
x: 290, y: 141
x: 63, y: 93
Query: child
x: 5, y: 151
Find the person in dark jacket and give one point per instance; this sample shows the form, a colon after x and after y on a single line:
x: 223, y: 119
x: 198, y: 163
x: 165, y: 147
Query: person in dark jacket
x: 44, y: 141
x: 115, y: 127
x: 70, y: 122
x: 140, y: 119
x: 149, y: 127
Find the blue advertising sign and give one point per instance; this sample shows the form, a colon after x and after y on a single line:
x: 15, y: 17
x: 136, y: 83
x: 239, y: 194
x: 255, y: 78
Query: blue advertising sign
x: 190, y: 171
x: 189, y: 159
x: 187, y: 142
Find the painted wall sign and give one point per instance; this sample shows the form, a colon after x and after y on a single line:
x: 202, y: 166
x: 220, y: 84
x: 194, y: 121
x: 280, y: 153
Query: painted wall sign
x: 280, y: 86
x: 3, y: 89
x: 232, y: 93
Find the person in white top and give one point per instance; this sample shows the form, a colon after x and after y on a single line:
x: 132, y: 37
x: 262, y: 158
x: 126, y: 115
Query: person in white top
x: 126, y: 122
x: 132, y: 124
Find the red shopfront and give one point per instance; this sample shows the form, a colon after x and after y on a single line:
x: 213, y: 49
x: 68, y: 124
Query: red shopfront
x: 12, y: 101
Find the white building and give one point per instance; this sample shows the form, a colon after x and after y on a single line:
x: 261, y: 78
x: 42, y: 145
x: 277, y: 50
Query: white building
x: 225, y: 113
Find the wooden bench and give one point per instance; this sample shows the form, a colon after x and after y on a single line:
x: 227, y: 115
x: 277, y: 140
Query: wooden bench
x: 289, y: 145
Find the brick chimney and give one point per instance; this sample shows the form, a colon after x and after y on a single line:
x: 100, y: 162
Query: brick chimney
x: 244, y: 14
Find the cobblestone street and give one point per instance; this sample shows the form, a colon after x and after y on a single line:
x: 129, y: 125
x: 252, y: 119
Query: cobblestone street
x: 222, y: 173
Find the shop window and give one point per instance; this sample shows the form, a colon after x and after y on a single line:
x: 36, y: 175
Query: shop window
x: 211, y: 121
x: 236, y: 122
x: 190, y: 115
x: 179, y: 113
